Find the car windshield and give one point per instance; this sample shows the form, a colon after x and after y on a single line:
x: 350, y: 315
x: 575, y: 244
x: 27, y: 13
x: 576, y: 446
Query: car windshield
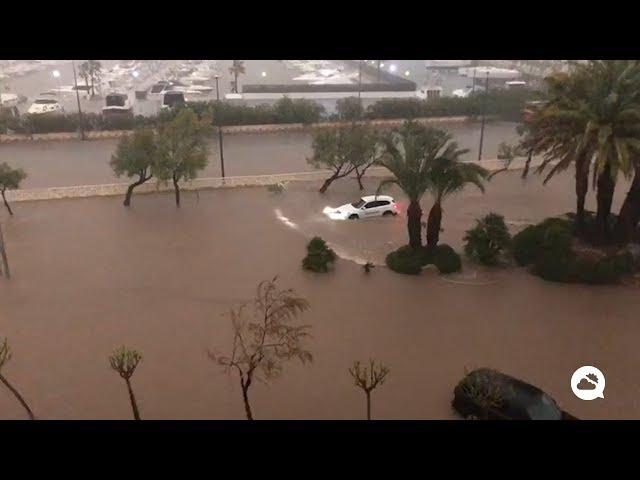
x: 358, y: 204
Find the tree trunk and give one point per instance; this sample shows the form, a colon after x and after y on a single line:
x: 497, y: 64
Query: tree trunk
x: 582, y: 187
x: 245, y: 398
x: 328, y: 182
x: 359, y: 176
x: 127, y: 198
x: 6, y: 204
x: 606, y: 187
x: 132, y: 398
x: 414, y: 215
x: 4, y: 266
x: 527, y: 164
x: 629, y: 213
x: 176, y: 187
x: 18, y: 396
x: 368, y: 405
x: 235, y: 82
x: 433, y: 225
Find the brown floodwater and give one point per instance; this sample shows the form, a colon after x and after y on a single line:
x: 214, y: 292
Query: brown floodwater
x: 66, y: 163
x: 90, y: 275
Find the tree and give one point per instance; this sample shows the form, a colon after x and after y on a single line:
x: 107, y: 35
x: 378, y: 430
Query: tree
x: 182, y: 149
x: 592, y: 117
x: 332, y: 149
x: 10, y: 179
x: 91, y: 72
x: 5, y: 356
x: 135, y: 157
x: 408, y: 153
x: 447, y: 175
x: 365, y: 150
x: 264, y: 343
x: 349, y: 108
x: 236, y: 69
x: 368, y: 379
x: 125, y: 361
x: 630, y: 211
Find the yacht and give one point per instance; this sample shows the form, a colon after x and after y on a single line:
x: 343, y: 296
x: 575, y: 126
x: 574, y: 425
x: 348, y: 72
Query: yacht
x: 45, y: 103
x: 117, y: 103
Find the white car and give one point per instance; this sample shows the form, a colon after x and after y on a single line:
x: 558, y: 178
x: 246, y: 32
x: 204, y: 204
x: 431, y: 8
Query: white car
x: 45, y: 104
x: 369, y: 206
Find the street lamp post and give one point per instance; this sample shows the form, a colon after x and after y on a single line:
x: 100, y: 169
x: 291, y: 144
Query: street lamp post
x: 484, y: 111
x: 219, y: 127
x: 75, y: 83
x: 359, y: 81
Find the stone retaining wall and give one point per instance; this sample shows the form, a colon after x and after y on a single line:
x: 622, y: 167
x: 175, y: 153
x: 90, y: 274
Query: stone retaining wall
x: 285, y: 127
x: 83, y: 191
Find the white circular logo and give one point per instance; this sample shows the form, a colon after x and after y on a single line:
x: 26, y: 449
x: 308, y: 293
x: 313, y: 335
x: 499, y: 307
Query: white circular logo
x: 588, y: 383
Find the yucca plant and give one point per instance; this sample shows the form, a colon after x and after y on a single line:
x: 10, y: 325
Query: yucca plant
x: 487, y: 240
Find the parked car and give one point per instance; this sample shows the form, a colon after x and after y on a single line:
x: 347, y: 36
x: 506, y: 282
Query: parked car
x: 491, y: 395
x: 45, y: 103
x: 368, y: 206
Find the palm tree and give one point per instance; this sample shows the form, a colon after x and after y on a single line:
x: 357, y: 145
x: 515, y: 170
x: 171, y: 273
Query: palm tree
x: 593, y: 116
x: 236, y: 69
x: 448, y: 175
x: 408, y: 153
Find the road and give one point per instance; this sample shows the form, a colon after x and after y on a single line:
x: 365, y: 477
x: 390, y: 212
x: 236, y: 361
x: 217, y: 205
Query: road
x: 56, y: 164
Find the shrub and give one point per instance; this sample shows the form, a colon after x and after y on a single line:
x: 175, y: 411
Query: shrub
x: 487, y: 240
x: 525, y: 245
x: 319, y: 257
x: 406, y: 260
x: 446, y: 259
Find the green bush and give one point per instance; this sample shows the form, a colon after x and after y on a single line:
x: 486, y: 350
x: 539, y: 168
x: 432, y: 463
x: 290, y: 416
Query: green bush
x: 406, y: 260
x: 525, y: 245
x: 548, y: 246
x: 319, y: 257
x: 446, y: 259
x: 487, y: 240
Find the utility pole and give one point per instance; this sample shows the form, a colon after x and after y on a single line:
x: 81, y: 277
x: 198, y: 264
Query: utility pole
x: 5, y: 263
x: 75, y: 82
x: 219, y: 127
x: 484, y: 112
x: 359, y: 80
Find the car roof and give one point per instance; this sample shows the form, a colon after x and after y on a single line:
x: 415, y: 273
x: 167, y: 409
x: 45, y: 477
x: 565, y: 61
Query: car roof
x: 371, y: 198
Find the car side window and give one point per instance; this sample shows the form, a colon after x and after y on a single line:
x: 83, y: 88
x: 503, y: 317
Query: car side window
x: 371, y: 205
x: 383, y: 203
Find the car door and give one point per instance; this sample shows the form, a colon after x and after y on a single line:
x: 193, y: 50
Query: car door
x: 371, y: 209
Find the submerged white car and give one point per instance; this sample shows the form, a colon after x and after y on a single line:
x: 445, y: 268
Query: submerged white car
x: 369, y: 206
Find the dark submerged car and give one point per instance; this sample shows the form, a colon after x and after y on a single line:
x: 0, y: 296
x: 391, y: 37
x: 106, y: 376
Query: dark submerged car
x: 491, y: 395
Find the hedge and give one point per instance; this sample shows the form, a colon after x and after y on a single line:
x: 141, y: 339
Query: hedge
x: 504, y: 104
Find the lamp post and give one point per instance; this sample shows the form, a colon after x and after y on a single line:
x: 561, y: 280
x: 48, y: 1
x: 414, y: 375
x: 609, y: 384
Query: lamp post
x: 484, y: 111
x: 56, y: 75
x: 219, y: 127
x: 75, y: 83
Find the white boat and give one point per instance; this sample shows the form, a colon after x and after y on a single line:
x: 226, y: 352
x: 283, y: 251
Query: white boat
x: 117, y: 103
x: 429, y: 92
x: 45, y: 104
x: 491, y: 72
x: 9, y: 99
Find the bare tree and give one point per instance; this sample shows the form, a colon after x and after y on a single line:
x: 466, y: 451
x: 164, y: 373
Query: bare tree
x: 124, y: 361
x: 262, y: 344
x: 368, y: 378
x: 5, y: 356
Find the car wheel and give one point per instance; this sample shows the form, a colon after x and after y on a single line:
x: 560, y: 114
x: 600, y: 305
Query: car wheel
x: 387, y: 213
x: 353, y: 216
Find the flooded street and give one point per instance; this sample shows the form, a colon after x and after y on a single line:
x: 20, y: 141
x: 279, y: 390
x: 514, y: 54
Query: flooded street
x: 56, y: 164
x: 90, y: 275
